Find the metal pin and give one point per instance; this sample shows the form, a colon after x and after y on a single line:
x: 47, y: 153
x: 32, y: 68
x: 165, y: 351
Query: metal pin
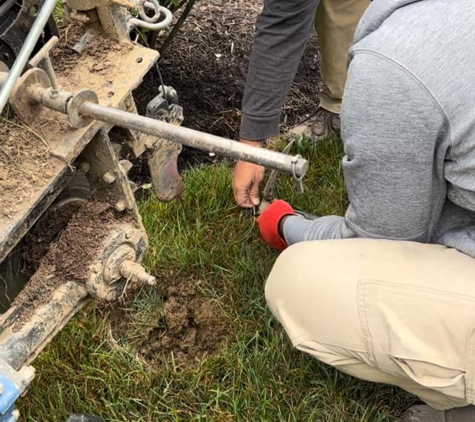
x: 298, y: 179
x: 299, y: 185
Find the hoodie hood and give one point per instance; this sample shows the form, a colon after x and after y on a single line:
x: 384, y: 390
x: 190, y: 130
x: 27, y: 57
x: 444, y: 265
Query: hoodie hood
x: 376, y: 14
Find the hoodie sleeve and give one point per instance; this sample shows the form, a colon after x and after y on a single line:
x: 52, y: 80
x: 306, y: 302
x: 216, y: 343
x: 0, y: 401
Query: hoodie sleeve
x: 281, y: 34
x: 394, y: 132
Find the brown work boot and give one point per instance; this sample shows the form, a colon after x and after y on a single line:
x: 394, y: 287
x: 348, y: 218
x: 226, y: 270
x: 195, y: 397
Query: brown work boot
x: 320, y: 125
x: 428, y: 414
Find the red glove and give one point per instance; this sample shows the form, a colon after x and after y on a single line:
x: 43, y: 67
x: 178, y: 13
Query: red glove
x: 269, y: 221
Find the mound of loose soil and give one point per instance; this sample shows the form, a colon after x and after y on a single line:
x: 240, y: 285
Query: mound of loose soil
x: 190, y: 327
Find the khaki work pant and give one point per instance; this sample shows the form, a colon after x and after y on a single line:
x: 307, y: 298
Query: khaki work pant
x: 335, y: 23
x: 398, y: 313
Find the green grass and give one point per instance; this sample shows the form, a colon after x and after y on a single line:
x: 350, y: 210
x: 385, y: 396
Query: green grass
x: 256, y: 376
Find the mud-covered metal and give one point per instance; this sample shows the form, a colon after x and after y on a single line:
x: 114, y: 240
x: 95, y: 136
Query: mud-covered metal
x: 67, y: 144
x: 20, y: 345
x: 108, y: 278
x: 75, y: 119
x: 167, y: 182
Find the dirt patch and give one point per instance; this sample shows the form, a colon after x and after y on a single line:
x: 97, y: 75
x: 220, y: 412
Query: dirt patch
x: 98, y: 58
x: 44, y: 233
x: 68, y: 259
x: 189, y: 326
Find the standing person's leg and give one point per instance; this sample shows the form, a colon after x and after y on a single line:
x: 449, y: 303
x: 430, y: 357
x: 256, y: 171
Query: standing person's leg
x: 335, y: 23
x: 399, y: 313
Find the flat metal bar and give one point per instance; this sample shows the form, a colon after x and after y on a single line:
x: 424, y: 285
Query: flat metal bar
x: 25, y: 52
x: 294, y: 165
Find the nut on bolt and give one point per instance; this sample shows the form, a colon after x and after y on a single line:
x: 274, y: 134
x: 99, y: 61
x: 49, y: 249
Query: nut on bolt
x: 96, y: 268
x: 119, y: 206
x: 109, y: 177
x: 84, y: 166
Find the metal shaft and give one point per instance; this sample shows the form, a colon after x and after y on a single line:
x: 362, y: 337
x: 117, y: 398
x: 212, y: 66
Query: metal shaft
x: 25, y: 53
x: 294, y: 165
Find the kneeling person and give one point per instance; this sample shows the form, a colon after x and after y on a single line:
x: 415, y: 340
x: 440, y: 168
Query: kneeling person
x: 387, y: 293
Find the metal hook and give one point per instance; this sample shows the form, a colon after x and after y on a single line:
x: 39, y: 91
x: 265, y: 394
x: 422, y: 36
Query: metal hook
x: 298, y: 179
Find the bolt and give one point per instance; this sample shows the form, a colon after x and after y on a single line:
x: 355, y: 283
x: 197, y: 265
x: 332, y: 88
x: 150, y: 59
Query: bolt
x: 28, y: 373
x: 151, y: 280
x: 119, y: 206
x: 84, y: 166
x: 135, y: 271
x: 96, y: 268
x: 109, y: 177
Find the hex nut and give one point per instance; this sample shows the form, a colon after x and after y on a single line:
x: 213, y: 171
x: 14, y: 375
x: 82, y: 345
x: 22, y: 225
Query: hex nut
x: 119, y: 206
x: 97, y: 267
x: 109, y: 177
x: 84, y: 166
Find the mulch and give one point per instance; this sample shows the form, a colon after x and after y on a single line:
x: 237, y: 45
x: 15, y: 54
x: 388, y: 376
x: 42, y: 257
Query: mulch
x: 207, y: 64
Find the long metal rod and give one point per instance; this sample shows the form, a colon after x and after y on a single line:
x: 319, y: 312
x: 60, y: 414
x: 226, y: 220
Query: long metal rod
x: 26, y: 50
x: 294, y: 165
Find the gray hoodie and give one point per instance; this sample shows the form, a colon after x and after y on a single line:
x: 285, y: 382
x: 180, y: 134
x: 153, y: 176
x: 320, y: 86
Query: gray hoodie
x: 408, y: 126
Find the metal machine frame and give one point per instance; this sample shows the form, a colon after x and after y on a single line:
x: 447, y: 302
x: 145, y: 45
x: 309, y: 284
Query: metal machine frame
x: 79, y: 119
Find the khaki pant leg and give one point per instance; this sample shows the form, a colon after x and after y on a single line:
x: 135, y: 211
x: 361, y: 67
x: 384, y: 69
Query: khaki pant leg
x: 336, y: 22
x: 400, y: 313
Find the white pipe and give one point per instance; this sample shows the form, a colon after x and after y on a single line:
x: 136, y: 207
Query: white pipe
x: 154, y: 26
x: 25, y: 52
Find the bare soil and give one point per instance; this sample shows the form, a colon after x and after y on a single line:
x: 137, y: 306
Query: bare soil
x: 189, y: 328
x: 99, y: 58
x: 44, y: 233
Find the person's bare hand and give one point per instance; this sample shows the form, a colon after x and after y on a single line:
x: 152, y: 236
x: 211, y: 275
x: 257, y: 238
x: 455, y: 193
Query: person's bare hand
x: 247, y: 178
